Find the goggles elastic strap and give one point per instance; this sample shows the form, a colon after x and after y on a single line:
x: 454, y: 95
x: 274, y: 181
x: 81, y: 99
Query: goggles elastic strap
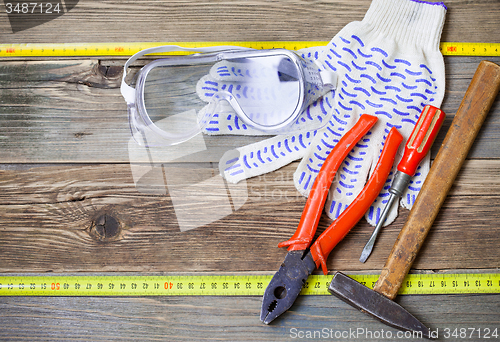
x: 329, y: 78
x: 128, y: 92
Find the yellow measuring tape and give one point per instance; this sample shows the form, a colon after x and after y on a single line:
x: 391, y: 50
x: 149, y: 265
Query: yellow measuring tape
x: 128, y: 49
x: 225, y: 285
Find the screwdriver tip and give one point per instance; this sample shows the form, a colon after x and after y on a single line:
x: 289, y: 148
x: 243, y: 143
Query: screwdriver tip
x: 365, y: 254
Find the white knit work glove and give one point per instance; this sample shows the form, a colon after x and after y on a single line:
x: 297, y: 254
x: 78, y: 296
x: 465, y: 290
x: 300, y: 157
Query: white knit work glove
x: 388, y: 65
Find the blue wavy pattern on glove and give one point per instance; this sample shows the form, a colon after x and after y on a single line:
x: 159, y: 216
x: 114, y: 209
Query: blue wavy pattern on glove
x: 272, y: 153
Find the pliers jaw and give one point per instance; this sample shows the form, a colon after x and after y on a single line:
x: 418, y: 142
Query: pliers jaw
x: 286, y: 284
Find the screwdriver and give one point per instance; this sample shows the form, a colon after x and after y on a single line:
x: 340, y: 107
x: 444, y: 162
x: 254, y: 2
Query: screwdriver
x: 420, y: 142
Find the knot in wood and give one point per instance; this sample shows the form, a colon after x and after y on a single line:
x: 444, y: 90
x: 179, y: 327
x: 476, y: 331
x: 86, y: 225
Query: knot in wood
x: 105, y: 227
x: 110, y: 72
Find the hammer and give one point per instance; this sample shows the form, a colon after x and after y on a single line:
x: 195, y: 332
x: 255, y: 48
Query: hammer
x: 465, y: 126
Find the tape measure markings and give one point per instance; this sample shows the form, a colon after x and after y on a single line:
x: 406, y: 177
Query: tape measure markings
x: 128, y: 49
x: 226, y: 285
x: 470, y: 49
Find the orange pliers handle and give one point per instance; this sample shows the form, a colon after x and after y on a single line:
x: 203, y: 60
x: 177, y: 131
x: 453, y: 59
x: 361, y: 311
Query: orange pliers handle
x: 319, y: 192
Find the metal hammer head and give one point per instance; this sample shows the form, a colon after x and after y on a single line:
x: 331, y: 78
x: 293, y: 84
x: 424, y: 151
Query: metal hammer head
x: 375, y: 304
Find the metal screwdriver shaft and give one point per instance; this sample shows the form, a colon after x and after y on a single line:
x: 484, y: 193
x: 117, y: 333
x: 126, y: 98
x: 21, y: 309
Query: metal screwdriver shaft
x: 418, y: 145
x: 399, y: 185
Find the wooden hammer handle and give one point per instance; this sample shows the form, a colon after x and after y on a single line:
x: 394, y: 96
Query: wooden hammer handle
x: 465, y: 126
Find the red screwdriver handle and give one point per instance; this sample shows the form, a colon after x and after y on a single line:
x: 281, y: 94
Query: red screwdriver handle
x: 421, y: 139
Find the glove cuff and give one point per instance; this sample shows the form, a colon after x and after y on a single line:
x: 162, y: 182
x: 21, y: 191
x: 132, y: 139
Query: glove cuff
x: 411, y: 23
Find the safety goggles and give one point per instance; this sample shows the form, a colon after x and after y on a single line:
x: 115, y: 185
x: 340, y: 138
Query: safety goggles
x: 266, y: 91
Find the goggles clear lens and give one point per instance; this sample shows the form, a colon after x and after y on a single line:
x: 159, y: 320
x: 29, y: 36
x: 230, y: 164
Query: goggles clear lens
x: 263, y: 91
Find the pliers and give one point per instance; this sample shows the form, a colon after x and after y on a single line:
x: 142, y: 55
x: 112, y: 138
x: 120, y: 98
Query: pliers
x: 300, y: 260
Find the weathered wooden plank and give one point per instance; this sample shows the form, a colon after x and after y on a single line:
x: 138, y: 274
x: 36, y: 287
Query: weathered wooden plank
x: 42, y: 184
x: 312, y: 318
x: 51, y: 219
x: 72, y: 111
x: 256, y: 20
